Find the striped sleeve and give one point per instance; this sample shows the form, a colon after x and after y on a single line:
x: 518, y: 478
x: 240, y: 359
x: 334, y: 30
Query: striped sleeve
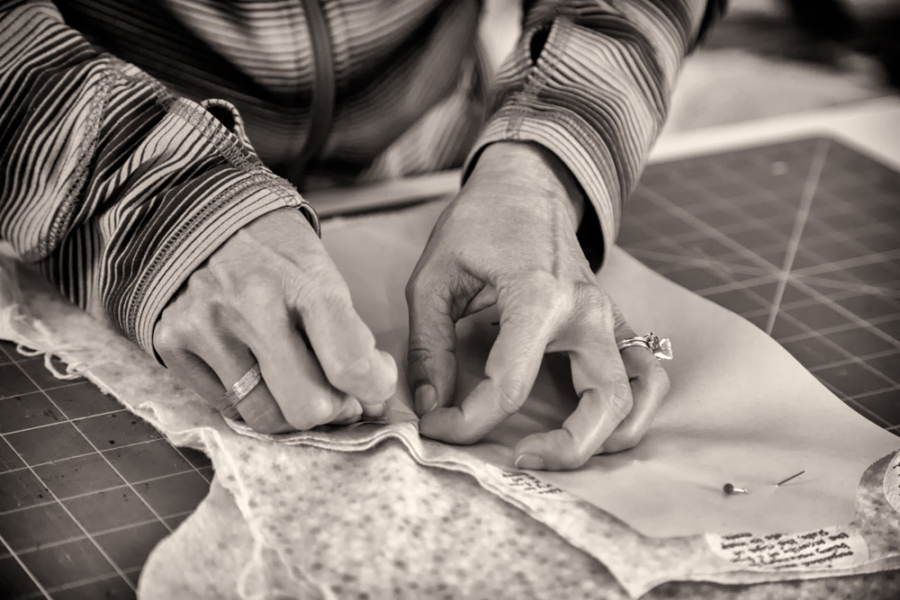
x: 115, y: 189
x: 590, y: 80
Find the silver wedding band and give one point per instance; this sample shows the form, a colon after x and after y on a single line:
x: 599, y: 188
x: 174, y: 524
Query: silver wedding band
x: 660, y: 347
x: 239, y: 391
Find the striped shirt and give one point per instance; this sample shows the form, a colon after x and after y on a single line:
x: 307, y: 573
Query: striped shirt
x: 137, y: 135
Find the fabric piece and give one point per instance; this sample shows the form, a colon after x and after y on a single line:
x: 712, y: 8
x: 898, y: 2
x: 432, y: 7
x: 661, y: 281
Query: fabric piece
x: 640, y: 563
x: 722, y: 422
x: 343, y: 507
x: 447, y: 536
x: 529, y: 560
x: 217, y: 541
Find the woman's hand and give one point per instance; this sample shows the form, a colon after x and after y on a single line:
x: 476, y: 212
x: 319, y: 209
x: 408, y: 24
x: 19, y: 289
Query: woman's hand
x: 272, y: 295
x: 509, y: 239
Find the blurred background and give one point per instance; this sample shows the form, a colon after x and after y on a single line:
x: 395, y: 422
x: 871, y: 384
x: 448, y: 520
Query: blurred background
x: 768, y: 57
x: 775, y: 57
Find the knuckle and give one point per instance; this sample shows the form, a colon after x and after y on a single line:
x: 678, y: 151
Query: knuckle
x: 660, y: 378
x: 350, y: 412
x: 548, y: 293
x: 594, y: 320
x: 254, y: 295
x: 558, y: 302
x: 595, y: 312
x: 624, y: 440
x: 351, y: 371
x: 166, y: 337
x: 581, y: 451
x: 620, y: 400
x: 510, y: 396
x: 413, y: 289
x: 267, y: 419
x: 317, y: 283
x: 317, y: 409
x: 574, y: 451
x: 539, y: 280
x: 328, y: 294
x: 576, y: 458
x: 590, y: 294
x: 301, y: 287
x: 418, y: 354
x: 422, y: 291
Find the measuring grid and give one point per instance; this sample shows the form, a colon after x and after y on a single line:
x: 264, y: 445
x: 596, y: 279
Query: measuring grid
x: 801, y: 238
x: 88, y: 488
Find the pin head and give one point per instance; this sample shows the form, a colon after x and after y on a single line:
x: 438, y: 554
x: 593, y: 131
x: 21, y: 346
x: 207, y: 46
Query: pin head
x: 730, y: 489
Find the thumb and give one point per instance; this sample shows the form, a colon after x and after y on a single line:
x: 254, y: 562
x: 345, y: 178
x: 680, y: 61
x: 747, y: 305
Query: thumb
x: 432, y: 344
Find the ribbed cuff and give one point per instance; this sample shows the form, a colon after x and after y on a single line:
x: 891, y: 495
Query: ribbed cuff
x: 248, y: 196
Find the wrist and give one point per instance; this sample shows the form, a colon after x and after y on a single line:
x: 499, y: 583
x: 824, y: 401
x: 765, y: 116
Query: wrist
x: 535, y: 169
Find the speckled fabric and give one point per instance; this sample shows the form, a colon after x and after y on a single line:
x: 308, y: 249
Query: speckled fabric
x: 411, y: 538
x: 305, y: 521
x: 216, y: 541
x: 534, y: 563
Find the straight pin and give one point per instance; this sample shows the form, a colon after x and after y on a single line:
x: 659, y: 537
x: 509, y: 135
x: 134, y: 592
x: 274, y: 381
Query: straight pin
x: 789, y: 478
x: 730, y: 489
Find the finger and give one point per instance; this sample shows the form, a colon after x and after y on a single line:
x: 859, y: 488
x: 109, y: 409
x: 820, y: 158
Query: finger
x: 649, y: 386
x: 431, y: 357
x: 373, y: 411
x: 350, y: 412
x: 622, y: 328
x: 211, y: 361
x: 294, y: 376
x: 605, y: 400
x: 194, y: 373
x: 343, y: 344
x: 213, y: 385
x: 258, y: 408
x: 231, y: 360
x: 526, y: 327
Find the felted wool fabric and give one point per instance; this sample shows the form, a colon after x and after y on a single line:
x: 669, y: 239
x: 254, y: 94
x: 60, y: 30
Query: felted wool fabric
x: 374, y: 523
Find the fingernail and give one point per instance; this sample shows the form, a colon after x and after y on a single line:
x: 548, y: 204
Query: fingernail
x: 426, y: 398
x: 530, y: 461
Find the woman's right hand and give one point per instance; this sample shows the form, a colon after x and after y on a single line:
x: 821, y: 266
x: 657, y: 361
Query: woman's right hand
x: 271, y: 294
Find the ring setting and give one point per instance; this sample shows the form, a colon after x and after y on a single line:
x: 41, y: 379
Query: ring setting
x: 660, y: 347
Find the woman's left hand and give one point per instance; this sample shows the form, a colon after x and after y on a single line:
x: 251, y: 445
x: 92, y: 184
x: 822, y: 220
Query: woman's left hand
x: 509, y: 239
